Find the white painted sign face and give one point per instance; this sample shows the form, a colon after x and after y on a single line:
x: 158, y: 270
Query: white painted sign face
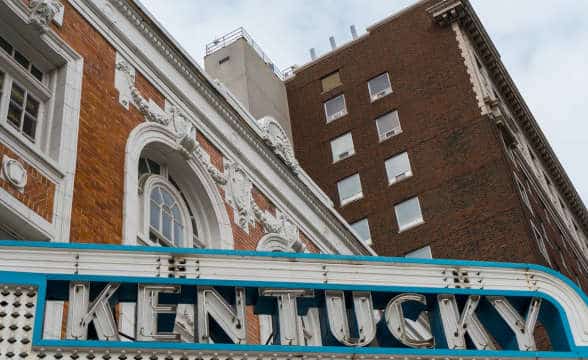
x: 113, y: 299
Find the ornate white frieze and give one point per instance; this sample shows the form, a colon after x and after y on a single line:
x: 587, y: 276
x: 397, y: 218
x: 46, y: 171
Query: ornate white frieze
x: 14, y: 172
x: 276, y: 138
x: 280, y: 225
x: 124, y: 80
x: 45, y: 11
x: 238, y: 195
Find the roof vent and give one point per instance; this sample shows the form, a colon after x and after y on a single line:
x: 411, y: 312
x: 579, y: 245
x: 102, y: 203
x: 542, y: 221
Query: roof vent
x: 312, y: 54
x: 332, y: 41
x: 353, y: 32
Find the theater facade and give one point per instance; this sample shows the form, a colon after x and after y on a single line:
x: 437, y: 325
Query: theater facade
x: 147, y: 215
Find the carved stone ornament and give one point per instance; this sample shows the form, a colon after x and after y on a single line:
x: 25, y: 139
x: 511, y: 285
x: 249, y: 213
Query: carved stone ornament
x: 45, y: 11
x: 14, y: 172
x: 185, y: 131
x: 124, y: 80
x: 280, y: 225
x: 238, y: 195
x: 275, y: 137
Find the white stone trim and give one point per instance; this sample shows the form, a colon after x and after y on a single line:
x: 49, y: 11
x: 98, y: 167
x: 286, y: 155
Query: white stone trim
x: 143, y: 135
x: 57, y: 162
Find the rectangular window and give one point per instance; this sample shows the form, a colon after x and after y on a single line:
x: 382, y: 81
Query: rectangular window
x: 342, y: 147
x: 349, y: 189
x: 408, y: 214
x: 335, y: 108
x: 331, y: 81
x: 398, y: 168
x: 362, y: 230
x: 388, y: 125
x: 23, y: 111
x: 422, y: 253
x: 20, y: 59
x: 379, y: 87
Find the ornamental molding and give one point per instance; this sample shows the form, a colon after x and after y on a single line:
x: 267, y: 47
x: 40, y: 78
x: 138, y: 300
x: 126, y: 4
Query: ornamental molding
x: 447, y: 12
x: 43, y: 12
x: 238, y: 194
x: 276, y: 138
x: 213, y: 95
x: 14, y: 173
x: 280, y: 226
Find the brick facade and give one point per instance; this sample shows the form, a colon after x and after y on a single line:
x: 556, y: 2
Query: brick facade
x: 461, y: 171
x: 39, y: 192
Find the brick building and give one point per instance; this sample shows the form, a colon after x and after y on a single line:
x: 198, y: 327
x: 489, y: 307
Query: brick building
x: 420, y: 137
x: 129, y: 178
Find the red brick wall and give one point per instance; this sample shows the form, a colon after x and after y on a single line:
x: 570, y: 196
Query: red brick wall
x: 39, y: 192
x: 104, y: 128
x: 470, y: 206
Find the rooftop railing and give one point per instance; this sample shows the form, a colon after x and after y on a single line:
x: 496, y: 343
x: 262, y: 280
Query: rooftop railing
x: 241, y: 33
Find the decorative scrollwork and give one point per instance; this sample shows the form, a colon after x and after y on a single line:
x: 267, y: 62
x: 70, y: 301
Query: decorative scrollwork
x: 277, y: 139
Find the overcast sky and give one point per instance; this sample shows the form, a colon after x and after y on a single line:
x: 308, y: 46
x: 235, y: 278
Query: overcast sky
x: 544, y: 45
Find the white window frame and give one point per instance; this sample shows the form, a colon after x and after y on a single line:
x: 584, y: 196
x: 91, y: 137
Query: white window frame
x: 338, y: 114
x: 413, y: 224
x: 54, y: 152
x: 343, y: 155
x: 424, y: 252
x: 391, y: 133
x: 150, y: 182
x: 354, y: 197
x: 403, y: 176
x: 383, y: 93
x: 15, y: 73
x: 367, y: 241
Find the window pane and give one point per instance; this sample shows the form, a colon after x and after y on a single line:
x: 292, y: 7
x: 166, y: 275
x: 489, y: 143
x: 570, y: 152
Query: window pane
x: 331, y: 81
x: 178, y: 234
x: 362, y: 230
x: 335, y: 108
x: 21, y: 59
x: 349, y: 189
x: 156, y: 196
x: 379, y: 85
x: 154, y: 215
x: 6, y: 46
x: 167, y: 198
x: 166, y: 225
x: 388, y: 125
x: 29, y: 126
x: 37, y: 73
x: 408, y: 213
x: 398, y: 167
x: 17, y: 95
x: 14, y: 115
x: 342, y: 147
x: 32, y: 106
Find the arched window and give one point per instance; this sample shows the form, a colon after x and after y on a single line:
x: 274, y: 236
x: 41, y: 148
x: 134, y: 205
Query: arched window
x: 167, y: 216
x: 166, y: 223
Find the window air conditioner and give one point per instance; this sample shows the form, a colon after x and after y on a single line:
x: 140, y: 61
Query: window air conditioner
x: 391, y: 133
x: 343, y: 155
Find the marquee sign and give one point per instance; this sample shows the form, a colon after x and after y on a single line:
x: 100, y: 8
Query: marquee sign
x: 123, y: 301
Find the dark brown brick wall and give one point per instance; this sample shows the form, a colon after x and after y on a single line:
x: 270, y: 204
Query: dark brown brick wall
x: 469, y: 202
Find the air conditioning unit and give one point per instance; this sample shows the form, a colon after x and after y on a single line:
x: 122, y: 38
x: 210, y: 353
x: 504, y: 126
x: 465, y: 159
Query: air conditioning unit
x: 337, y: 115
x: 381, y: 94
x: 391, y: 133
x: 343, y: 155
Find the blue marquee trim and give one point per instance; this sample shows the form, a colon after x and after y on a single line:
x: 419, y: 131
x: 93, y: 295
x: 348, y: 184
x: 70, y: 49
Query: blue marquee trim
x: 40, y: 280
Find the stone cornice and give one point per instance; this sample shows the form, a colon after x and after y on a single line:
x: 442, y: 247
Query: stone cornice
x: 184, y: 64
x: 446, y: 12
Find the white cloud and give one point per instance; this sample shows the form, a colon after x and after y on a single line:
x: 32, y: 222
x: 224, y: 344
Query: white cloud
x: 544, y: 45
